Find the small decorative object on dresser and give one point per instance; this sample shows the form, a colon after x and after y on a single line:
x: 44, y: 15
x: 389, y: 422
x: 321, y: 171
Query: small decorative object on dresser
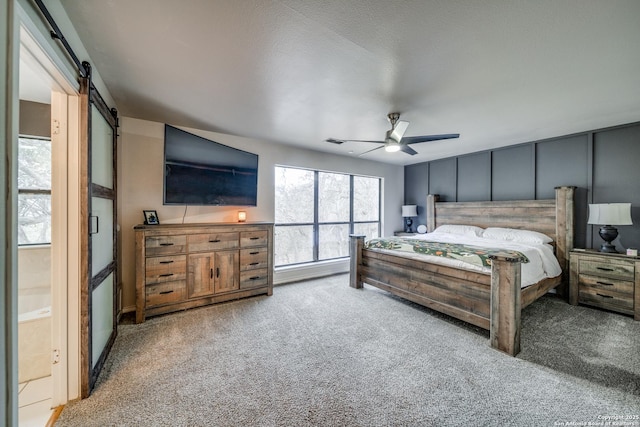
x: 180, y: 266
x: 605, y: 280
x: 151, y: 218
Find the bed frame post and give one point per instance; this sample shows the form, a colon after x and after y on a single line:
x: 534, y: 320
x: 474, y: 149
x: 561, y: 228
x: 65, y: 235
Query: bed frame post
x: 564, y: 232
x: 431, y: 212
x: 505, y: 304
x: 356, y: 244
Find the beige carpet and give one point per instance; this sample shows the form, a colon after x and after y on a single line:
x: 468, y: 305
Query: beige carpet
x: 321, y: 353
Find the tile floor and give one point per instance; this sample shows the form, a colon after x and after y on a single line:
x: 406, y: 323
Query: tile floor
x: 34, y: 401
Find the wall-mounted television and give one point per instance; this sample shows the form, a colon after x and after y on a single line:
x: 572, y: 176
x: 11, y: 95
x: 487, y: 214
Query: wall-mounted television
x: 198, y: 171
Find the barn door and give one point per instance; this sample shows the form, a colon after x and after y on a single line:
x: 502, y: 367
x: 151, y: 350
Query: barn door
x: 98, y: 253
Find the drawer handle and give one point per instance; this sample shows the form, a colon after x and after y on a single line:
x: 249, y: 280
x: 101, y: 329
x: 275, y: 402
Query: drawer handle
x: 254, y: 253
x: 166, y: 244
x: 254, y: 278
x: 214, y: 241
x: 604, y: 296
x: 166, y: 275
x: 254, y: 238
x: 604, y: 269
x: 604, y: 283
x: 166, y: 262
x: 166, y: 292
x: 254, y: 263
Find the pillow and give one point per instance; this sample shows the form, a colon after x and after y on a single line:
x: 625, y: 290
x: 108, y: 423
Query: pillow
x: 464, y: 230
x: 515, y: 235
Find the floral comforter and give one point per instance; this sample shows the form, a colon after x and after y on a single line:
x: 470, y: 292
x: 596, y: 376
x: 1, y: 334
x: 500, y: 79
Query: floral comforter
x: 474, y: 255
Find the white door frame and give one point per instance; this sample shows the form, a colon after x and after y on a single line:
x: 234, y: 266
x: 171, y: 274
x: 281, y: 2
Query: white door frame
x: 65, y: 208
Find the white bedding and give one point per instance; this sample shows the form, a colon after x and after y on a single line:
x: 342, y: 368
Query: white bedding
x: 542, y: 262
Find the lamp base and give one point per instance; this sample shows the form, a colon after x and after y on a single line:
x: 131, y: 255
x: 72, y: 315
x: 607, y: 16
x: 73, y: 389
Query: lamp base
x: 408, y: 224
x: 608, y: 234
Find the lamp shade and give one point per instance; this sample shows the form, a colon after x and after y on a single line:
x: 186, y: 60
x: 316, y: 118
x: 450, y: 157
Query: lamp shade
x: 610, y: 214
x: 409, y: 210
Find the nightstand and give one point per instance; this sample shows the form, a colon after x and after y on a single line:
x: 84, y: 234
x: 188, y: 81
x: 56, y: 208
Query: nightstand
x: 604, y: 280
x: 403, y: 234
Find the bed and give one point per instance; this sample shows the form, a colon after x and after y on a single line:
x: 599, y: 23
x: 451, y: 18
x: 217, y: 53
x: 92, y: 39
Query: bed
x: 491, y: 301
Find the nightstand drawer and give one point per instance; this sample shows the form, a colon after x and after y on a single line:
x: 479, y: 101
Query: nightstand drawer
x: 611, y: 268
x: 605, y: 284
x: 606, y: 299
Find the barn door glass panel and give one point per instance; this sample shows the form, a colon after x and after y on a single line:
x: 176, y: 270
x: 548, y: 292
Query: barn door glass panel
x: 101, y: 150
x: 102, y: 233
x: 102, y: 316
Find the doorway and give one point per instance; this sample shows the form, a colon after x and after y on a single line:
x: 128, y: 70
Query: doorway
x: 47, y: 246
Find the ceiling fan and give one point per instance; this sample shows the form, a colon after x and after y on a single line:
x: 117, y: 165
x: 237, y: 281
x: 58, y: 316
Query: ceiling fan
x: 395, y: 139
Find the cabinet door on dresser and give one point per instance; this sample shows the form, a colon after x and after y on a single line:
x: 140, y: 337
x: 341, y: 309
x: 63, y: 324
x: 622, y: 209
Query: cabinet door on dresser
x: 226, y: 271
x: 200, y: 275
x: 212, y: 273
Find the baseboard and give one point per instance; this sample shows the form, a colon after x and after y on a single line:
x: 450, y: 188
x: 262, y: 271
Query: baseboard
x: 296, y: 273
x: 129, y: 309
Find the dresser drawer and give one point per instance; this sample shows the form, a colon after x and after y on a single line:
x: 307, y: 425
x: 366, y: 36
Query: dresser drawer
x: 253, y: 238
x: 253, y: 278
x: 252, y: 259
x: 165, y: 245
x: 213, y: 242
x: 165, y: 293
x: 613, y: 269
x: 606, y: 299
x: 165, y: 269
x: 606, y: 284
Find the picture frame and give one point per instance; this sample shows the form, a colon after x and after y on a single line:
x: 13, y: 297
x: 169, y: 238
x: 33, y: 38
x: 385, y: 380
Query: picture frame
x: 151, y: 217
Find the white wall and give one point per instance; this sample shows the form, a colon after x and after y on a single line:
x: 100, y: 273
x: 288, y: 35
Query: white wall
x: 140, y: 166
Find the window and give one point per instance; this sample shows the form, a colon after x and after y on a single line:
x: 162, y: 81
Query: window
x: 34, y: 191
x: 316, y: 211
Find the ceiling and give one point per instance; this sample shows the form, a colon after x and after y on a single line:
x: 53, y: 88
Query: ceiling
x: 301, y: 71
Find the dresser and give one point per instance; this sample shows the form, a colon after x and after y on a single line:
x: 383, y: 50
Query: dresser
x: 181, y: 266
x: 609, y: 281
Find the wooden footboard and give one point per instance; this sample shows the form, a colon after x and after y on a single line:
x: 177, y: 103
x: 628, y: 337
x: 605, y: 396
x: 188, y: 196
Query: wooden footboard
x: 466, y: 295
x: 492, y: 302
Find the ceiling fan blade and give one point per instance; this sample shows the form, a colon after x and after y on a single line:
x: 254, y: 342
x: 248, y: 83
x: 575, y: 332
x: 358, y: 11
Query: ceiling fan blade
x: 373, y: 149
x: 408, y: 150
x: 427, y: 138
x: 398, y: 130
x: 341, y: 141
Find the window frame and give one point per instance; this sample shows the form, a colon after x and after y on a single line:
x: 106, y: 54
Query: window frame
x: 316, y: 224
x: 35, y: 191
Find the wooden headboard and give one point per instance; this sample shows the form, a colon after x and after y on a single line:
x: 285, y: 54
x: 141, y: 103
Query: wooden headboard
x: 553, y: 217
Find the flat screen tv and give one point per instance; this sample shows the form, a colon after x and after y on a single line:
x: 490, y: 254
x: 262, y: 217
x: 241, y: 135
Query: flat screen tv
x: 198, y: 171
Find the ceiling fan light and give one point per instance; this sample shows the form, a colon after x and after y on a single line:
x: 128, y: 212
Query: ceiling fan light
x: 392, y: 148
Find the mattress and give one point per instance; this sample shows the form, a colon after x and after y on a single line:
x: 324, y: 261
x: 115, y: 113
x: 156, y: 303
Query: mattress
x: 542, y: 261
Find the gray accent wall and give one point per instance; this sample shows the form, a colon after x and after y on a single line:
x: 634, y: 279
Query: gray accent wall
x: 603, y: 164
